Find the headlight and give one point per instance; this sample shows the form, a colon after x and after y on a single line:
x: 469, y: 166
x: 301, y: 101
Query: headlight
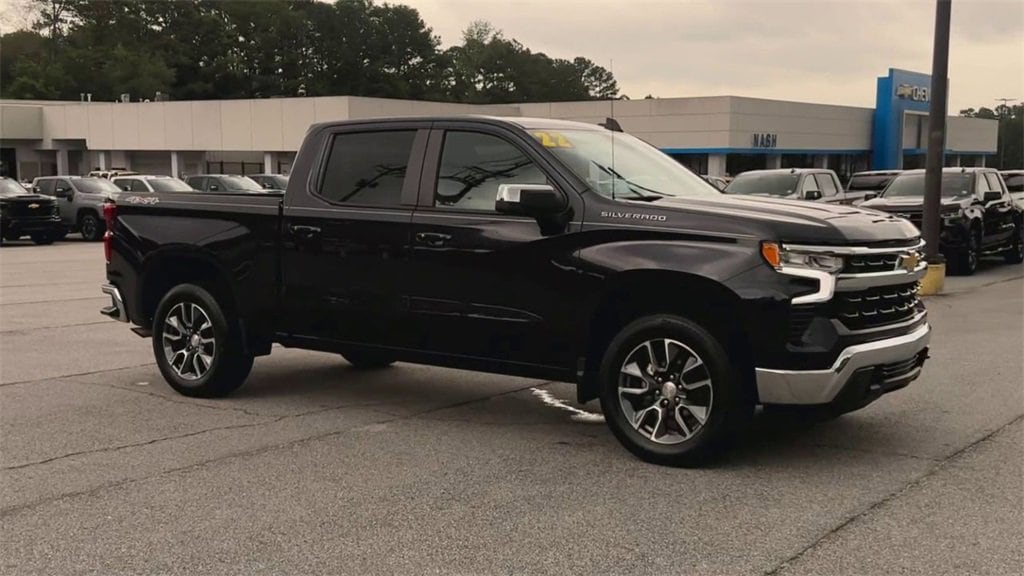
x: 779, y: 257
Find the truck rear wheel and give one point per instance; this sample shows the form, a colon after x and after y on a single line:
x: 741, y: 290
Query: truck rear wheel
x: 198, y: 351
x: 1015, y: 255
x: 669, y: 392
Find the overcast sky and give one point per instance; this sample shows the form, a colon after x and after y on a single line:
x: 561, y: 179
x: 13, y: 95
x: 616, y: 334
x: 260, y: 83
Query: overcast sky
x: 828, y: 51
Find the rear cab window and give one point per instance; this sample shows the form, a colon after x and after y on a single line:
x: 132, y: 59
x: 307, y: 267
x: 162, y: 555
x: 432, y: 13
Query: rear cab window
x: 367, y: 168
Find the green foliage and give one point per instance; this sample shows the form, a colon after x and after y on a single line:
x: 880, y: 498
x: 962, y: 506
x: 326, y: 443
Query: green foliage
x: 213, y: 49
x: 1011, y: 134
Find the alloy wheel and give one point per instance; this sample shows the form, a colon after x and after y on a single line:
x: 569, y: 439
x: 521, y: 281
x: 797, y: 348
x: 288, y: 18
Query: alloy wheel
x: 188, y: 340
x: 665, y: 391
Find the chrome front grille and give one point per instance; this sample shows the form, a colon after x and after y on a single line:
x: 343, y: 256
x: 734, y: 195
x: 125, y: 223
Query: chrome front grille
x: 876, y: 306
x: 867, y: 263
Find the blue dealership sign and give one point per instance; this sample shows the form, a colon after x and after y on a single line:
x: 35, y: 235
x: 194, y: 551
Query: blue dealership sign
x: 899, y: 92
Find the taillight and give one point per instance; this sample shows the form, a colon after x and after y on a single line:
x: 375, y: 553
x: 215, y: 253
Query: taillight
x: 110, y: 214
x: 110, y: 217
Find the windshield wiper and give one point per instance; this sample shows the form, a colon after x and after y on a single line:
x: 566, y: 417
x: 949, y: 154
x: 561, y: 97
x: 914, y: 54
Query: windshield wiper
x: 632, y: 185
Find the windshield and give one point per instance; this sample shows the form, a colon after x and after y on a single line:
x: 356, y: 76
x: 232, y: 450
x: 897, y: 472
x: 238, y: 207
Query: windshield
x: 621, y: 166
x: 276, y: 181
x: 241, y: 183
x: 958, y: 184
x: 869, y: 182
x: 169, y: 185
x: 95, y: 185
x: 1014, y: 182
x: 764, y: 183
x: 10, y: 188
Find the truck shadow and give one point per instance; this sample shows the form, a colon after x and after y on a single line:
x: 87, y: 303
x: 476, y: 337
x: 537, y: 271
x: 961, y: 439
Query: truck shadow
x: 498, y: 406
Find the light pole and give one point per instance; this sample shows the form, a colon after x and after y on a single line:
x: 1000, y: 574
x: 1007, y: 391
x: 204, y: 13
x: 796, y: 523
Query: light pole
x: 999, y: 130
x: 936, y: 142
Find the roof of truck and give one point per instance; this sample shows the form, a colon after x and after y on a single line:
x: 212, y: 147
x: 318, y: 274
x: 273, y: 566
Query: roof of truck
x: 521, y: 122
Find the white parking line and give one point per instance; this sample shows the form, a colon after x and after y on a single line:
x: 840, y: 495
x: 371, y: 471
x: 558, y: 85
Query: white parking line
x: 577, y: 414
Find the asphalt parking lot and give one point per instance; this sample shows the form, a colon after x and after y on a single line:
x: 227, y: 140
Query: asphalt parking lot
x: 315, y: 468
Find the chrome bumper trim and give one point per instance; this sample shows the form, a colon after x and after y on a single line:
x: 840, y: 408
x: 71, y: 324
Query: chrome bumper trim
x: 116, y: 309
x: 822, y: 386
x: 873, y: 279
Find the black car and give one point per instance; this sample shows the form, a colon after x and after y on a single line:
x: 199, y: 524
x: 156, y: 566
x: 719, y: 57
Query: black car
x: 978, y: 216
x: 26, y: 214
x: 530, y: 247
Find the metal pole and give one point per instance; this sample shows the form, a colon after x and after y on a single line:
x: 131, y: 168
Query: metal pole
x: 999, y: 132
x: 936, y: 132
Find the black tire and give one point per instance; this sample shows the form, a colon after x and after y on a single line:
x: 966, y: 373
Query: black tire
x: 364, y: 360
x: 229, y: 365
x: 966, y: 261
x: 1015, y: 255
x: 43, y: 238
x: 91, y: 226
x: 729, y: 405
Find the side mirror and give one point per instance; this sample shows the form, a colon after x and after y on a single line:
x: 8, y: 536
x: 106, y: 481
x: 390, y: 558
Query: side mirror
x: 812, y: 195
x: 870, y: 195
x: 529, y: 200
x: 991, y: 196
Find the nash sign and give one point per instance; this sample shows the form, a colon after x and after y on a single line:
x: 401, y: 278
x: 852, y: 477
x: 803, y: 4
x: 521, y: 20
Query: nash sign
x: 765, y: 141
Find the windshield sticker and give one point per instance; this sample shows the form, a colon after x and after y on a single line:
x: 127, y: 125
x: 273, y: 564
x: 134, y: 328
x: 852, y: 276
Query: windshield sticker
x: 552, y: 139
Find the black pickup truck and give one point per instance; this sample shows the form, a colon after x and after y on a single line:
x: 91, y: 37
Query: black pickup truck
x: 529, y: 247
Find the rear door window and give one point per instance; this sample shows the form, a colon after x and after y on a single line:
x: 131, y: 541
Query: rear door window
x: 367, y: 168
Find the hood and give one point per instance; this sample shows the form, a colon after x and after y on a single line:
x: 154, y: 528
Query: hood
x: 27, y: 198
x: 910, y: 203
x: 796, y: 221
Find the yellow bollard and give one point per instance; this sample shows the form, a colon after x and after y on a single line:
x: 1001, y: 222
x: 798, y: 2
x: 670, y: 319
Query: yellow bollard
x: 934, y: 280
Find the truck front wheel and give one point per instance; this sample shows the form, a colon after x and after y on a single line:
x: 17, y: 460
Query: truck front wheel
x: 198, y: 351
x: 669, y: 391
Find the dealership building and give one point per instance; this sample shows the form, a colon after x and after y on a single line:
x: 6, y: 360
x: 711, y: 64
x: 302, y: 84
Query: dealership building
x: 715, y: 135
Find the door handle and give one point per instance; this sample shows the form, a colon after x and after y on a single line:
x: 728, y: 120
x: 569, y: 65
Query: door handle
x: 304, y: 232
x: 432, y: 238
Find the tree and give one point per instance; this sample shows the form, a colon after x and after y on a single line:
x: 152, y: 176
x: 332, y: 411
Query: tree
x: 1010, y: 154
x: 210, y: 49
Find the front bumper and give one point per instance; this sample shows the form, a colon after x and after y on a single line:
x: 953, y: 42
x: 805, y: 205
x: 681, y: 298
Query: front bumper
x: 861, y: 373
x: 23, y: 226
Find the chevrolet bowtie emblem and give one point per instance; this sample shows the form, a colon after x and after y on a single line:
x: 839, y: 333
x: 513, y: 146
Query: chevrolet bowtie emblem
x: 33, y: 206
x: 909, y: 262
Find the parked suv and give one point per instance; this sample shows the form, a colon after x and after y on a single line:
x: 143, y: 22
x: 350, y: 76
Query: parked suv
x: 791, y: 183
x: 223, y: 183
x: 530, y: 247
x: 978, y: 216
x: 80, y: 199
x: 145, y: 183
x: 23, y: 213
x: 867, y: 185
